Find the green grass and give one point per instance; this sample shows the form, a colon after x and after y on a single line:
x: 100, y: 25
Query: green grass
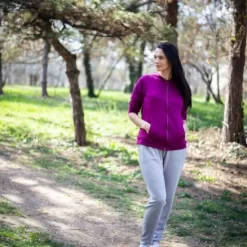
x: 21, y: 236
x: 204, y: 115
x: 41, y: 119
x: 42, y: 129
x: 183, y: 183
x: 226, y: 195
x: 216, y: 222
x: 199, y: 176
x: 99, y: 171
x: 7, y: 209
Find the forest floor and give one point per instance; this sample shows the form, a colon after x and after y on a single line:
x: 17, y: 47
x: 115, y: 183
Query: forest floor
x: 54, y: 193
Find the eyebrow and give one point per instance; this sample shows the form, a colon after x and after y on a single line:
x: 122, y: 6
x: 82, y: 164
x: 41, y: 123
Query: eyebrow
x: 159, y: 56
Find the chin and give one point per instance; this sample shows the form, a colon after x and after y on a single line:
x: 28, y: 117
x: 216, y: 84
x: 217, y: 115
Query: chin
x: 161, y: 69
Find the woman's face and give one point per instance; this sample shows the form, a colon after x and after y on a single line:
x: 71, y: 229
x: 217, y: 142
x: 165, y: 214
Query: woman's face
x: 160, y: 60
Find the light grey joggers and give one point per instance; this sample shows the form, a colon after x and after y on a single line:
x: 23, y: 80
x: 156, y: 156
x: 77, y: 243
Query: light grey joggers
x: 161, y: 171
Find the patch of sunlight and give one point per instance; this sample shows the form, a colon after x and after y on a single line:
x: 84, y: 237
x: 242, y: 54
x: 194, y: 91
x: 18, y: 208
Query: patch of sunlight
x: 13, y: 198
x: 25, y: 181
x: 177, y: 244
x: 20, y: 221
x: 53, y: 195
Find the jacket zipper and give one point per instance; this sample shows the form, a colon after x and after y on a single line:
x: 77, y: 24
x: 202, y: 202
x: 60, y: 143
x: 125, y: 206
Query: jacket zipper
x: 167, y: 111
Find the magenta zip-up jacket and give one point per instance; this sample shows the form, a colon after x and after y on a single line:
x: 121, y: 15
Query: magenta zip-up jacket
x: 162, y: 106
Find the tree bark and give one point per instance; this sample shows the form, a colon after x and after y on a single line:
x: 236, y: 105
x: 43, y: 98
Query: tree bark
x: 45, y: 62
x: 233, y: 126
x: 87, y: 67
x: 73, y: 74
x: 172, y: 19
x: 1, y: 75
x: 207, y: 79
x: 216, y: 31
x: 218, y: 81
x: 132, y: 74
x: 217, y: 66
x: 109, y: 75
x: 141, y: 59
x: 135, y: 68
x: 208, y: 92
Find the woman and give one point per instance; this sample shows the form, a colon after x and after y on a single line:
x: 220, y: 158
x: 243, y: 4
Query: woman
x: 163, y: 98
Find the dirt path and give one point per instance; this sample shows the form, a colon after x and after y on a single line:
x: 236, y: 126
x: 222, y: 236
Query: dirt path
x: 66, y: 213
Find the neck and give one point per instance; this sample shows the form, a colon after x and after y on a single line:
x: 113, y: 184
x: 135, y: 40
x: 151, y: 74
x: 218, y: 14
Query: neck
x: 166, y: 74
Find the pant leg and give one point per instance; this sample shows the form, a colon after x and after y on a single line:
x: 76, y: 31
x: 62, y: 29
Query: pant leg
x: 151, y: 165
x: 173, y: 166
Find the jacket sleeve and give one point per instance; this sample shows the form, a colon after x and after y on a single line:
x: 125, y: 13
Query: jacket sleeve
x: 136, y: 98
x: 184, y: 112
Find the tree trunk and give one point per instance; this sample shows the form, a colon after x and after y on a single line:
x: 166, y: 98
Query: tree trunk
x: 87, y: 66
x: 132, y: 74
x: 215, y: 30
x: 172, y: 19
x: 208, y: 93
x: 1, y: 75
x: 233, y: 127
x: 217, y: 77
x: 207, y: 79
x: 73, y: 74
x: 135, y: 68
x: 218, y: 81
x: 216, y: 99
x: 217, y: 64
x: 47, y: 49
x: 141, y: 59
x: 109, y: 75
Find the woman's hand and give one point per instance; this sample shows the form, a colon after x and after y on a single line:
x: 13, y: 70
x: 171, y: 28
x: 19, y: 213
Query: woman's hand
x: 185, y: 125
x: 146, y: 126
x: 139, y: 122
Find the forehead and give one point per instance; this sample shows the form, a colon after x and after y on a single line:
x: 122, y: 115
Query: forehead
x: 159, y: 52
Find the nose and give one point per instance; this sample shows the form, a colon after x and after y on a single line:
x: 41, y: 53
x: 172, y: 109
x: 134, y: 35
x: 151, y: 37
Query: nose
x: 156, y: 60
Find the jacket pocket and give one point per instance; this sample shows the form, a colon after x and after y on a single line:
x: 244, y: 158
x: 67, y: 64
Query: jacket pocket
x: 177, y: 135
x: 155, y: 134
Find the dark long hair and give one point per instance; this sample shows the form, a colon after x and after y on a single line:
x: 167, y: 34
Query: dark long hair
x: 178, y: 75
